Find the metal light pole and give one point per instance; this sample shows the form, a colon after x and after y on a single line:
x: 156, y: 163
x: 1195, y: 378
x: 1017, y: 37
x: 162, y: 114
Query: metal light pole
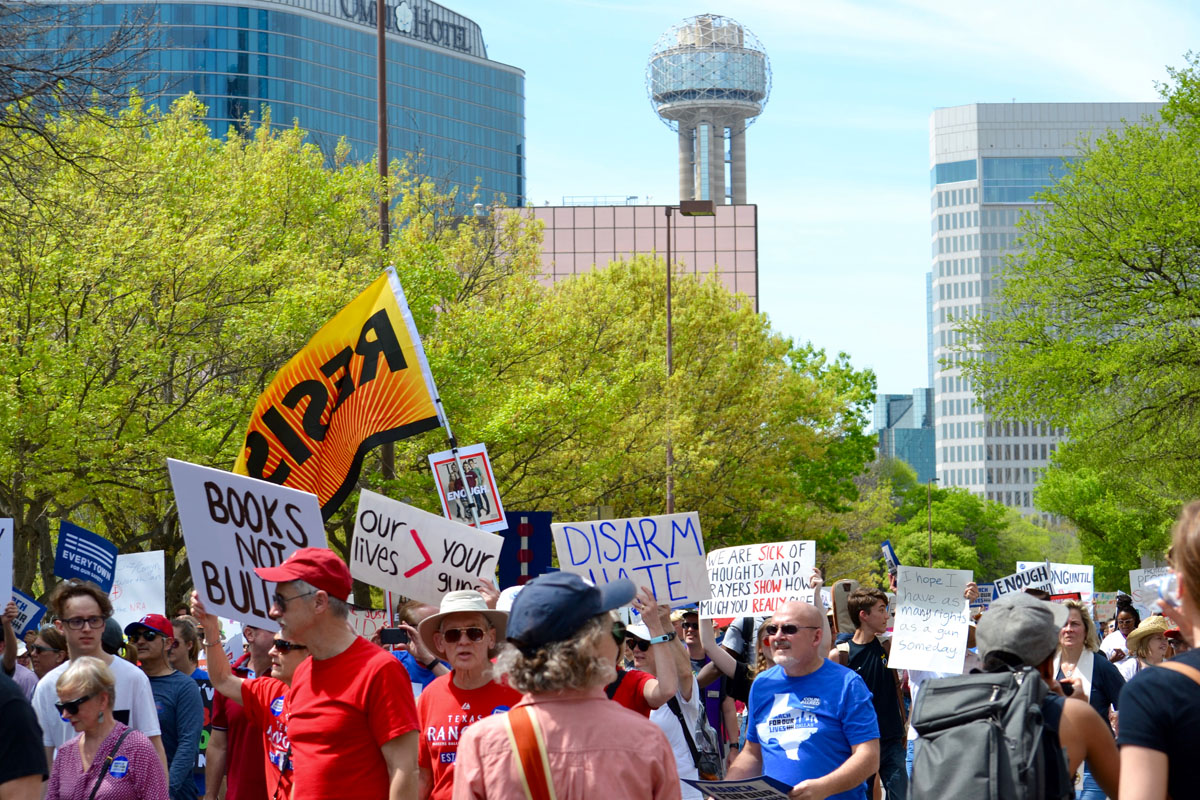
x: 929, y: 511
x: 388, y: 451
x: 688, y: 208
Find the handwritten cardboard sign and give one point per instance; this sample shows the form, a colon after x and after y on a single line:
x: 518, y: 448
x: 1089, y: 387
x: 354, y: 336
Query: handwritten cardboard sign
x: 366, y: 621
x: 29, y: 613
x: 1037, y: 577
x: 932, y: 618
x: 417, y: 554
x: 233, y: 524
x: 665, y: 554
x: 85, y: 555
x: 476, y: 483
x: 1104, y: 607
x: 139, y: 587
x: 1068, y: 578
x: 1145, y: 598
x: 6, y: 561
x: 755, y: 579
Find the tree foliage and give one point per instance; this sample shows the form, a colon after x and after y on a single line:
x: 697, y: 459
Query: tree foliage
x: 1096, y: 330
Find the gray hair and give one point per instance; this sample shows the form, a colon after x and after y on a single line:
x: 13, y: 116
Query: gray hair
x: 572, y: 663
x: 339, y: 608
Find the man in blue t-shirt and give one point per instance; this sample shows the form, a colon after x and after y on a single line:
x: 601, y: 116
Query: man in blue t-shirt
x: 811, y: 722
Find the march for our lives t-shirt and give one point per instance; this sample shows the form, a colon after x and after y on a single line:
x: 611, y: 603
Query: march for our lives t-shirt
x: 806, y: 726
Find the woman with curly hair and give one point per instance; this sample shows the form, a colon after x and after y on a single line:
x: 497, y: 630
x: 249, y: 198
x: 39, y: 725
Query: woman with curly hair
x: 565, y: 738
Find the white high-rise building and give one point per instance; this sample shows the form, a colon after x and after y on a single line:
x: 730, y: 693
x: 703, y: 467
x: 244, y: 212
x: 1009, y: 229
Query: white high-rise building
x: 987, y: 160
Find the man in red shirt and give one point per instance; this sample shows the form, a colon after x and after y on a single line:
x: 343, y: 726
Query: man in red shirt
x: 465, y: 633
x: 350, y: 712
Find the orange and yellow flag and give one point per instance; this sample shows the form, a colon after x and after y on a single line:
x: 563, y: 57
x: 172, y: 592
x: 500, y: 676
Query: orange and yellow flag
x: 361, y: 381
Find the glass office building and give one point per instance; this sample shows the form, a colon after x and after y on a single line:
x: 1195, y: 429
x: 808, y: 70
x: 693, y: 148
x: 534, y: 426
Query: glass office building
x: 314, y: 63
x: 987, y: 163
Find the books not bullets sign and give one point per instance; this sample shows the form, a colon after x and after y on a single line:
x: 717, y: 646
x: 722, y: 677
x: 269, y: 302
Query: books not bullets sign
x: 755, y: 579
x: 417, y: 554
x: 233, y: 524
x: 664, y: 553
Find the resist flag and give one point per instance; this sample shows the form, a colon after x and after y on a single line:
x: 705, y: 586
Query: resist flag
x: 361, y: 381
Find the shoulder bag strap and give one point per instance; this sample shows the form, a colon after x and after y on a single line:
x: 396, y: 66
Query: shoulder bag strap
x: 1183, y: 669
x: 529, y: 746
x: 108, y: 763
x: 673, y: 704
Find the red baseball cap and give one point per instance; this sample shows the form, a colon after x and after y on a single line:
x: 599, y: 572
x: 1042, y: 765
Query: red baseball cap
x: 155, y: 622
x: 318, y: 566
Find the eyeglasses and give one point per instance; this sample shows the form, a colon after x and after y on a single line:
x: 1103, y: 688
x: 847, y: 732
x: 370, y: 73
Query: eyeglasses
x: 78, y: 623
x: 690, y: 626
x: 282, y: 601
x: 144, y: 635
x: 284, y: 646
x: 618, y: 631
x: 452, y: 635
x: 41, y: 648
x: 788, y: 629
x: 640, y: 644
x: 72, y: 706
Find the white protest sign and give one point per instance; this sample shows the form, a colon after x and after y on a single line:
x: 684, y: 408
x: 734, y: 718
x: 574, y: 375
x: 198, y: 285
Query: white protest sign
x: 1037, y: 577
x: 365, y: 621
x: 754, y: 579
x: 417, y: 554
x: 480, y: 484
x: 1104, y: 607
x: 1145, y: 598
x: 664, y: 553
x: 139, y: 587
x: 932, y: 618
x: 1067, y: 578
x: 233, y: 524
x: 6, y: 562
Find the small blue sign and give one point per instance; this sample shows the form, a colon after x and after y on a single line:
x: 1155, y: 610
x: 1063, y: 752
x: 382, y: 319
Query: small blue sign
x: 889, y: 555
x: 84, y: 555
x: 29, y: 613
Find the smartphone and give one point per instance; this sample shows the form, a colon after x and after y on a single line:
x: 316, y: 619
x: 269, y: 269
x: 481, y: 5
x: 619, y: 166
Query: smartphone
x: 393, y: 636
x: 1068, y: 688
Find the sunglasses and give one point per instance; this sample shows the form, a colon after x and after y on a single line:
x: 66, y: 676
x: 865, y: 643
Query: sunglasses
x: 284, y: 646
x: 618, y: 631
x: 78, y: 623
x: 72, y: 706
x: 452, y: 635
x: 41, y: 648
x: 143, y: 635
x: 282, y: 602
x: 690, y: 626
x: 788, y: 629
x: 640, y: 644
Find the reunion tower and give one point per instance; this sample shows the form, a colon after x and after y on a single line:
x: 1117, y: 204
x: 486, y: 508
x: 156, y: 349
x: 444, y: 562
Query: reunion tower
x: 709, y: 78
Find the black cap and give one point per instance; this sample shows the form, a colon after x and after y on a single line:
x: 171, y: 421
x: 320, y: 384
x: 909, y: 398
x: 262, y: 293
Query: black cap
x: 551, y: 607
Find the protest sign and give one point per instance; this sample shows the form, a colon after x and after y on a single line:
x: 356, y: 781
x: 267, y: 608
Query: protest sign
x: 1104, y: 606
x: 1067, y: 578
x: 664, y: 553
x: 365, y: 621
x: 361, y: 381
x: 987, y: 592
x: 760, y: 788
x: 753, y: 580
x: 1035, y: 578
x: 29, y: 613
x: 932, y: 618
x: 417, y: 554
x: 139, y: 587
x: 480, y: 484
x: 889, y: 555
x: 84, y: 555
x: 6, y: 561
x: 233, y: 524
x: 1145, y: 598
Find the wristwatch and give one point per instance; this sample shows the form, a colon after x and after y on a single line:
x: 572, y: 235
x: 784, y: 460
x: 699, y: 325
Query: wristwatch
x: 432, y: 665
x: 666, y: 637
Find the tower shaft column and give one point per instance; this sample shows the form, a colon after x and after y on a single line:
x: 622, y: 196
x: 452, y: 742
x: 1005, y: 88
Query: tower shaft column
x: 687, y: 166
x: 737, y: 161
x: 716, y: 162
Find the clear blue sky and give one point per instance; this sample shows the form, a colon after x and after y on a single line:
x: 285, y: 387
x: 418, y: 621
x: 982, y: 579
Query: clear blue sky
x: 839, y: 161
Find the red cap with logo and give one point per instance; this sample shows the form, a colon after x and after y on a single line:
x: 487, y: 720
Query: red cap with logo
x: 154, y: 622
x: 318, y: 566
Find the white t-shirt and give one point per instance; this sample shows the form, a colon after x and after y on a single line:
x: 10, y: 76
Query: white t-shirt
x: 1115, y: 641
x: 665, y: 718
x: 134, y: 705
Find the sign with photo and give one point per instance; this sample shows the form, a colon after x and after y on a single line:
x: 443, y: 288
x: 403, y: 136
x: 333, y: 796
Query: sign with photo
x: 475, y: 483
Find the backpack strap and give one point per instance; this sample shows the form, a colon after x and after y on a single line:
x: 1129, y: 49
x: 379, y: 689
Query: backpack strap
x: 108, y: 763
x: 1183, y: 669
x: 529, y: 746
x: 673, y: 704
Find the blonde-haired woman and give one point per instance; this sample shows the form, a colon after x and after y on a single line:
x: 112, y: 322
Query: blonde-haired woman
x: 107, y: 760
x: 1160, y: 708
x: 1147, y: 644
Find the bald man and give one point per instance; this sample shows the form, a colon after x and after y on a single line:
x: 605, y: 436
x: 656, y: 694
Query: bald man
x: 811, y: 723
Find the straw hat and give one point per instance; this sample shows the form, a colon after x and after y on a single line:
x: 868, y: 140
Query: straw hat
x: 1149, y: 627
x: 467, y: 601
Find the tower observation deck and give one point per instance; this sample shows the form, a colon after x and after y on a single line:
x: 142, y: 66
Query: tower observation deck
x: 708, y: 78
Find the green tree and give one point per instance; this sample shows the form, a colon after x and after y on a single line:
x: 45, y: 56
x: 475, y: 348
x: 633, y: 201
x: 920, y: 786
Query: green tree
x: 1095, y: 329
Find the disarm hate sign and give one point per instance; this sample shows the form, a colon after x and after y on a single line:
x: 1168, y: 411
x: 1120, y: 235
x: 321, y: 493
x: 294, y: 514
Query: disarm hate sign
x: 664, y: 553
x: 418, y: 554
x: 755, y: 579
x: 233, y: 524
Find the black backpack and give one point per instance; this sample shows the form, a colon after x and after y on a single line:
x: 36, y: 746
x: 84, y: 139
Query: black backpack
x: 984, y: 736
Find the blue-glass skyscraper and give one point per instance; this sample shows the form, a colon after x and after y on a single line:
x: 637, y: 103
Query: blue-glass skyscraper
x: 313, y: 63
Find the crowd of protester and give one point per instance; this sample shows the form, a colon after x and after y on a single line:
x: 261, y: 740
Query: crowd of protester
x: 550, y: 692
